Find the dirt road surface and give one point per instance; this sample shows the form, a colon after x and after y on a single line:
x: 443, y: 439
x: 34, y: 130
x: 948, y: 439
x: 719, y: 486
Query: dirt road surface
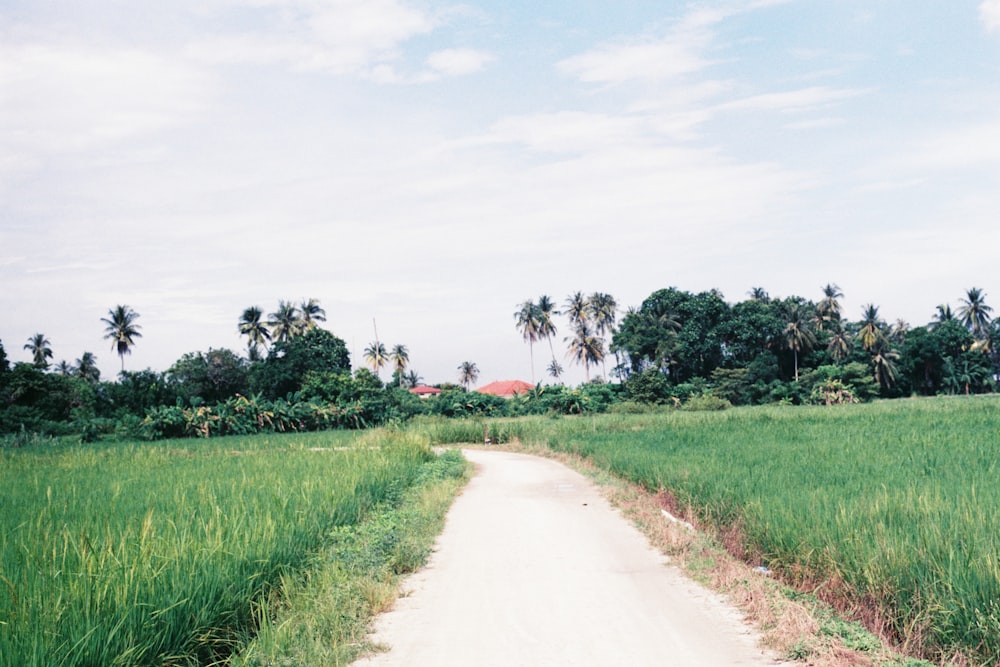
x: 534, y: 567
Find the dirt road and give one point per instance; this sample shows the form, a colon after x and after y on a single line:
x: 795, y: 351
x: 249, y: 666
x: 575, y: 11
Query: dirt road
x: 534, y: 567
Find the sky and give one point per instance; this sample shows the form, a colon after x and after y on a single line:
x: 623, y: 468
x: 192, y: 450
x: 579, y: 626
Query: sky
x: 428, y: 166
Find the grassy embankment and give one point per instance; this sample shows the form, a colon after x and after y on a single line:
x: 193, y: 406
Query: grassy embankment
x: 892, y: 508
x: 179, y: 553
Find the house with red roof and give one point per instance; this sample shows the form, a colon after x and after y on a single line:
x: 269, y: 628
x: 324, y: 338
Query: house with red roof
x: 423, y: 391
x: 506, y: 388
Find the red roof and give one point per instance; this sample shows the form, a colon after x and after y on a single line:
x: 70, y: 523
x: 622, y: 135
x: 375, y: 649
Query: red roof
x: 506, y: 388
x: 424, y: 390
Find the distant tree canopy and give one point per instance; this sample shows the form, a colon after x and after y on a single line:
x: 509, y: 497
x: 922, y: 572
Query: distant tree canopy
x: 765, y: 349
x: 210, y: 377
x: 288, y: 361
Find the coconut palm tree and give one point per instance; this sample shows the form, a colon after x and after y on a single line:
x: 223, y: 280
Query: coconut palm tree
x: 376, y: 356
x: 603, y: 311
x: 285, y: 322
x: 400, y: 358
x: 413, y: 379
x: 41, y: 350
x: 63, y: 368
x: 555, y: 370
x: 310, y: 313
x: 840, y: 342
x: 828, y: 309
x: 468, y: 373
x: 528, y: 321
x: 255, y: 330
x: 86, y: 368
x: 586, y: 348
x: 546, y: 325
x: 897, y: 334
x: 576, y: 309
x: 797, y: 336
x: 884, y: 363
x: 974, y: 312
x: 122, y: 330
x: 759, y: 294
x: 943, y: 314
x: 871, y: 331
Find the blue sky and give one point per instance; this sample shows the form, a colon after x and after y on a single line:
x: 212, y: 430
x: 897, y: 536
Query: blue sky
x: 432, y: 165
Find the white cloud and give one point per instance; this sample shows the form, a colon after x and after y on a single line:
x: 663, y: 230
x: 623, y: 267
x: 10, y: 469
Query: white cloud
x: 680, y: 52
x: 794, y: 100
x: 566, y: 131
x: 62, y: 99
x: 340, y: 36
x: 645, y: 60
x: 817, y: 123
x: 989, y: 14
x: 457, y: 62
x: 964, y: 147
x: 439, y: 64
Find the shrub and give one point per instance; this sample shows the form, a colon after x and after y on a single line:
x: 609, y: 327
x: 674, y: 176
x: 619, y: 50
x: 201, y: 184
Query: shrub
x: 706, y: 402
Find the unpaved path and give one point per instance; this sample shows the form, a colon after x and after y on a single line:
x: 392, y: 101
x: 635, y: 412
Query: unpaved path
x: 534, y: 567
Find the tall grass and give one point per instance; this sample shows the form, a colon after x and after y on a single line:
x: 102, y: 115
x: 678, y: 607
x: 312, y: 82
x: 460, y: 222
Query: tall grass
x: 897, y: 504
x: 143, y: 554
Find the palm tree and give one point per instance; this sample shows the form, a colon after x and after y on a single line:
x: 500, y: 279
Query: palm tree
x: 285, y: 322
x: 576, y: 309
x: 840, y: 342
x: 86, y: 368
x: 376, y: 356
x: 555, y: 370
x: 310, y: 314
x: 871, y: 327
x: 63, y: 368
x: 467, y: 374
x: 255, y: 330
x: 828, y: 309
x: 603, y: 311
x: 546, y: 326
x: 586, y: 348
x: 413, y: 379
x: 974, y: 312
x: 797, y: 336
x: 944, y: 314
x: 899, y: 330
x: 400, y: 358
x: 759, y: 294
x: 884, y: 363
x: 122, y: 330
x: 528, y: 319
x: 41, y: 350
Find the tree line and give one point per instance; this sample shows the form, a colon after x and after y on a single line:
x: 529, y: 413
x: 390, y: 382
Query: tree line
x: 766, y: 349
x: 676, y: 348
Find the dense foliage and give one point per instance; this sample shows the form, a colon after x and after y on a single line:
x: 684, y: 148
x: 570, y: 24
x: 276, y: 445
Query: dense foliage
x: 767, y: 350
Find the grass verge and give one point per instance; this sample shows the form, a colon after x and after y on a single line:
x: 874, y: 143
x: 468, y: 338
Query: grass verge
x: 321, y: 616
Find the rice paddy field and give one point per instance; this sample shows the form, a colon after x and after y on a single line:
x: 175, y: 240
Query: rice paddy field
x: 166, y: 553
x: 135, y: 554
x: 893, y: 507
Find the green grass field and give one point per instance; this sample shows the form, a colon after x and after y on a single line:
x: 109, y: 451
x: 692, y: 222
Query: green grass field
x: 130, y: 554
x: 122, y: 554
x: 896, y: 502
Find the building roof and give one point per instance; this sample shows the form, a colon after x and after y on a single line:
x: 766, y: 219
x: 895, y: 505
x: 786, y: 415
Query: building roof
x: 424, y: 390
x: 506, y: 388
